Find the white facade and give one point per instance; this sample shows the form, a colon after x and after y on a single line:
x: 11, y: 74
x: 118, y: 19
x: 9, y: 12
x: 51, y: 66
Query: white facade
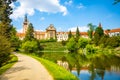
x: 114, y: 34
x: 62, y: 36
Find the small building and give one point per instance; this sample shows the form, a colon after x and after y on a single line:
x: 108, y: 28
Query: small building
x: 113, y: 32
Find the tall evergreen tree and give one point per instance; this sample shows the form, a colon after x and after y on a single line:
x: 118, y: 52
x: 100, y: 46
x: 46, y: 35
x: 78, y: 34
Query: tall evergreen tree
x: 69, y: 34
x: 30, y: 33
x: 5, y: 21
x: 77, y: 34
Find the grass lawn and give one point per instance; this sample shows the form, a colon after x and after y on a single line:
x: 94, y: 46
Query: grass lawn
x: 9, y: 64
x: 53, y: 46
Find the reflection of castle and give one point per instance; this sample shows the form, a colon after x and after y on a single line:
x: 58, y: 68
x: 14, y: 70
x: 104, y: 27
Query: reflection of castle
x: 52, y: 33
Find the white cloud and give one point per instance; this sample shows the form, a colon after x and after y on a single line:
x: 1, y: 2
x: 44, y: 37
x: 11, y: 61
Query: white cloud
x: 20, y: 30
x: 42, y: 18
x: 29, y: 7
x: 59, y: 29
x: 68, y: 2
x: 12, y: 5
x: 80, y: 6
x: 81, y: 29
x: 39, y: 30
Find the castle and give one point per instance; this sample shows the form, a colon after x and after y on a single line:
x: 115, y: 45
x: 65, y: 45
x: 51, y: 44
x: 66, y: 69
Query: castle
x: 51, y: 32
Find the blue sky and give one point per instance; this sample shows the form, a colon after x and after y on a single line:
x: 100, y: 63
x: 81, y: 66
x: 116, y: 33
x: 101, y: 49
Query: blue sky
x: 66, y: 14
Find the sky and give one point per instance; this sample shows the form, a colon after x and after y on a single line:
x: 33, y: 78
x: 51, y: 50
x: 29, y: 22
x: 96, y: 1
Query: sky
x: 66, y: 15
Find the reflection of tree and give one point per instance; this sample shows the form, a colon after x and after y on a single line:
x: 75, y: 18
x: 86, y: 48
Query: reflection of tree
x: 101, y: 73
x: 78, y: 66
x: 97, y: 63
x: 92, y: 71
x: 74, y: 61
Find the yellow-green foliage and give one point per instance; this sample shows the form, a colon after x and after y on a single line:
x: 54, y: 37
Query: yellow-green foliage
x: 9, y: 64
x: 58, y: 73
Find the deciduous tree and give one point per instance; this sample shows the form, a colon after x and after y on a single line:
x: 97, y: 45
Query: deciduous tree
x: 90, y: 31
x: 71, y: 45
x: 82, y: 42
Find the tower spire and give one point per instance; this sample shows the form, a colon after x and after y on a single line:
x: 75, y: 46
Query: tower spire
x: 25, y: 24
x: 26, y: 18
x: 100, y: 25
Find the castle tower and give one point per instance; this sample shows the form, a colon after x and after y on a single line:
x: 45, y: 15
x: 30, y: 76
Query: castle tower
x: 100, y: 25
x: 25, y: 24
x: 51, y: 32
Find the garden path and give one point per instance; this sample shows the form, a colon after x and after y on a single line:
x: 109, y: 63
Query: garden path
x: 26, y: 68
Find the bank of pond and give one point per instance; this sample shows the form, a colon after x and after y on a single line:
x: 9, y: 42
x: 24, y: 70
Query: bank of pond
x: 100, y: 66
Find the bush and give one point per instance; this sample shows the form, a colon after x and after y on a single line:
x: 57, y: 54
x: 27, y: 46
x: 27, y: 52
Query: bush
x: 30, y: 46
x: 113, y: 41
x: 48, y: 40
x: 5, y: 50
x: 63, y: 42
x: 72, y: 45
x: 83, y: 42
x: 90, y: 49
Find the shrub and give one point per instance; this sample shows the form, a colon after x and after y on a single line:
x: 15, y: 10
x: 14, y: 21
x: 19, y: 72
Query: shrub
x: 63, y: 42
x: 30, y: 46
x: 83, y: 42
x: 5, y: 50
x: 72, y: 45
x: 90, y: 49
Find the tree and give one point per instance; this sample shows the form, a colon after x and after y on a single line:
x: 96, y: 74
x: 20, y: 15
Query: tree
x: 82, y: 42
x: 69, y: 34
x: 116, y: 1
x: 71, y: 45
x: 90, y: 49
x: 90, y: 31
x: 77, y: 34
x: 5, y: 50
x: 15, y: 42
x: 103, y: 40
x: 113, y: 41
x: 5, y: 28
x: 5, y: 21
x: 30, y: 33
x: 98, y: 34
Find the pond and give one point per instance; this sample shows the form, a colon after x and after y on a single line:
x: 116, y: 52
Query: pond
x: 88, y: 67
x: 87, y: 75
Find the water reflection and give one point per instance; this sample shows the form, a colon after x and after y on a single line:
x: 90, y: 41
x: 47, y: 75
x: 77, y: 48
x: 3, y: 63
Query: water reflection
x: 97, y: 66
